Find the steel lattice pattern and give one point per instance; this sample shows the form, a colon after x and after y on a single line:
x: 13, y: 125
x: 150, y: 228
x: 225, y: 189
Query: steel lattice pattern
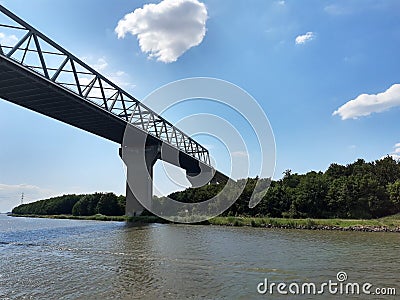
x: 33, y: 50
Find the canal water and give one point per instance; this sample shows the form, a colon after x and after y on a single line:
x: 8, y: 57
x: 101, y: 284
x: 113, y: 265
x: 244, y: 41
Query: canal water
x: 71, y: 259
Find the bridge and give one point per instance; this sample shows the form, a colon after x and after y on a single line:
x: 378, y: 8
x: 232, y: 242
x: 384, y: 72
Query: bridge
x: 38, y: 74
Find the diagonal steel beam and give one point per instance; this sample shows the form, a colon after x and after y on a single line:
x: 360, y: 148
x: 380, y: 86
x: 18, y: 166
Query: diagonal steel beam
x: 59, y: 69
x: 46, y: 74
x: 26, y: 49
x: 89, y: 87
x: 78, y: 85
x: 17, y: 45
x: 102, y: 93
x: 129, y: 107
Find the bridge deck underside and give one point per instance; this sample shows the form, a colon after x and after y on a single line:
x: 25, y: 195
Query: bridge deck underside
x: 23, y: 87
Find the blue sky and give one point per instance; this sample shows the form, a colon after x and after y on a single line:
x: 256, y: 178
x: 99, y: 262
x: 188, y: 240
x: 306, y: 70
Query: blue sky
x: 301, y: 60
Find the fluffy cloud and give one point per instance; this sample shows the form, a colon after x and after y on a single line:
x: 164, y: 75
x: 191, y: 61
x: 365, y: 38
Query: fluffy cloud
x: 120, y: 78
x: 396, y: 148
x: 101, y: 64
x: 302, y: 39
x: 334, y: 9
x: 396, y: 153
x: 168, y: 29
x: 365, y: 104
x: 8, y: 40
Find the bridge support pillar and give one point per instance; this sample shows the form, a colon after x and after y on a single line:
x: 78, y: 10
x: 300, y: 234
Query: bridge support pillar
x: 133, y: 207
x: 139, y: 165
x: 205, y: 175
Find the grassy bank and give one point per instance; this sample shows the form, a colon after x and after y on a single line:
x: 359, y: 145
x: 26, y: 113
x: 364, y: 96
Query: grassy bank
x: 97, y: 217
x: 390, y: 223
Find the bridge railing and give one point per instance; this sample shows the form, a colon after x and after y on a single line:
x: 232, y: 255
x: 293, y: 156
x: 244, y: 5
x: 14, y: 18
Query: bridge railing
x: 26, y: 45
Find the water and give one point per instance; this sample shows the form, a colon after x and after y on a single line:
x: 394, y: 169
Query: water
x: 70, y: 259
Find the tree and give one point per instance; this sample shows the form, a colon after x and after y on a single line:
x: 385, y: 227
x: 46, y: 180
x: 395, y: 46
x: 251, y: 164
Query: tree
x: 358, y: 197
x: 108, y: 205
x: 360, y: 167
x: 339, y: 197
x: 310, y: 199
x: 122, y: 204
x: 336, y: 171
x: 394, y: 195
x: 53, y: 206
x: 290, y: 180
x: 86, y: 206
x: 386, y: 170
x: 275, y: 202
x: 358, y: 190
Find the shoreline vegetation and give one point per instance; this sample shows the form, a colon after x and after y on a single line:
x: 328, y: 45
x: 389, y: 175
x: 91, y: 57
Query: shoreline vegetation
x: 360, y: 196
x: 386, y: 224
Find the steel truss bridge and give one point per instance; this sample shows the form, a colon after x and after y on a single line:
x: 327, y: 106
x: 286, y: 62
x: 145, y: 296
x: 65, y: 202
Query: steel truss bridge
x: 38, y: 74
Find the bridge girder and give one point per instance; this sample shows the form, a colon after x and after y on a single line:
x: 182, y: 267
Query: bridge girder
x: 68, y: 90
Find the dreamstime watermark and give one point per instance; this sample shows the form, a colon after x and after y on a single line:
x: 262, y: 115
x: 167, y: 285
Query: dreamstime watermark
x: 235, y: 109
x: 340, y: 286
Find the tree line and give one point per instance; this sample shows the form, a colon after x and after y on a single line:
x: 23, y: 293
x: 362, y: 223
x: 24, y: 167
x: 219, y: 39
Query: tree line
x: 78, y: 205
x: 360, y: 190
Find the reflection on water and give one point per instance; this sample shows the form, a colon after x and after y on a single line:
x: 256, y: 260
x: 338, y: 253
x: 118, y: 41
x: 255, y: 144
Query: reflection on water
x: 69, y: 259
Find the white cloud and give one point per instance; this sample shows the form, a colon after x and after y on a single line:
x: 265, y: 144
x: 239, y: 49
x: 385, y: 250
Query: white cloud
x: 395, y: 154
x: 8, y: 40
x: 10, y: 195
x: 365, y: 104
x: 334, y: 9
x: 396, y: 148
x: 101, y: 64
x: 120, y: 78
x: 120, y: 73
x: 302, y: 39
x: 281, y: 2
x: 168, y: 29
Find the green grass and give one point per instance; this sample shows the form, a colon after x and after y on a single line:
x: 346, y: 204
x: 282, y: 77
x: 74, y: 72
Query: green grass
x: 391, y: 223
x: 98, y: 217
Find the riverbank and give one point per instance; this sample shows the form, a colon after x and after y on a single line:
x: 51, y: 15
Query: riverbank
x: 386, y: 224
x: 97, y: 217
